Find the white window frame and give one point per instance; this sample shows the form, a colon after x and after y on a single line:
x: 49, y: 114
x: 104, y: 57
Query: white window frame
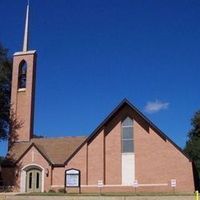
x: 128, y: 139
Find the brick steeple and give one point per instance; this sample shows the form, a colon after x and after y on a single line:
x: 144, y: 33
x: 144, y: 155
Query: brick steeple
x: 23, y: 88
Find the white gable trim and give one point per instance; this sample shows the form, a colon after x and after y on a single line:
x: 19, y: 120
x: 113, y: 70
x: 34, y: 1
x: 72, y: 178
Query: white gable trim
x: 33, y: 147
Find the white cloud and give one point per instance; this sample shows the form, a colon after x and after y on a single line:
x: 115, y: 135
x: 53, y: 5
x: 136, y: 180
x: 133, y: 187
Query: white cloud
x: 156, y: 106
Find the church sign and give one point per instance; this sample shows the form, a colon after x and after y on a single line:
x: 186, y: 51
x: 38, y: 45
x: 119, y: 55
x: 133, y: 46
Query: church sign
x: 72, y: 178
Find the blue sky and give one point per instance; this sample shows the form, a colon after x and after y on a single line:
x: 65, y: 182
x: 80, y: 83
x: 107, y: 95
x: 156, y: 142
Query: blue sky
x: 94, y: 53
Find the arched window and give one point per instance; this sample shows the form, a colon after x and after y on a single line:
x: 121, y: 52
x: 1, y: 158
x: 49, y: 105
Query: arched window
x: 22, y: 75
x: 127, y: 136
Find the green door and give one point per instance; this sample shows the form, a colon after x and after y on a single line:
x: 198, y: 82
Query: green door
x: 33, y: 180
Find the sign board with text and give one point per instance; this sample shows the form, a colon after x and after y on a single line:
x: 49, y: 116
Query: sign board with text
x: 173, y: 182
x: 72, y: 178
x: 100, y: 183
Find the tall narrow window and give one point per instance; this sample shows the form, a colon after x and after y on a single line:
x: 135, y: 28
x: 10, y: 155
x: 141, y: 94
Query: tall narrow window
x: 127, y: 136
x: 37, y: 180
x: 22, y: 75
x: 30, y: 180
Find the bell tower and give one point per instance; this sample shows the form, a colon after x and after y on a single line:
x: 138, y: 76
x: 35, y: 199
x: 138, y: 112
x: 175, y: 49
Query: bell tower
x: 23, y: 87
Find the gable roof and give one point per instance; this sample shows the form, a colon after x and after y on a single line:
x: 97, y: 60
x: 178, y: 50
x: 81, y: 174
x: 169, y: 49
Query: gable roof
x: 54, y: 150
x: 58, y: 151
x: 124, y: 103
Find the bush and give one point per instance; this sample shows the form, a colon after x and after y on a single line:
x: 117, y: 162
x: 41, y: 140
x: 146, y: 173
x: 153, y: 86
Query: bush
x: 51, y: 191
x: 62, y: 190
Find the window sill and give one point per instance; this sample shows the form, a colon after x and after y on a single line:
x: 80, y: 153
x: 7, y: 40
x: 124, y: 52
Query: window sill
x: 21, y: 90
x: 128, y: 153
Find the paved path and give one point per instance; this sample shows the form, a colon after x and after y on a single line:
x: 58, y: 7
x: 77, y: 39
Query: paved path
x: 12, y: 197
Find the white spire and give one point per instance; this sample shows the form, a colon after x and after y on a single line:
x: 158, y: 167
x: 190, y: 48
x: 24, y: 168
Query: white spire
x: 26, y: 31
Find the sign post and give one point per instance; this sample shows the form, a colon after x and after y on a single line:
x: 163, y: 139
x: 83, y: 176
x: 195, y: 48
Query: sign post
x: 173, y: 184
x: 135, y: 185
x: 100, y: 185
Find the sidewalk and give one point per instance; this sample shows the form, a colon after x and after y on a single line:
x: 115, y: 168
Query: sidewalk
x: 12, y: 196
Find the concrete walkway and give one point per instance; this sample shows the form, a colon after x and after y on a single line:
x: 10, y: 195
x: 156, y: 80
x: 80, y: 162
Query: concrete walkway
x: 13, y: 197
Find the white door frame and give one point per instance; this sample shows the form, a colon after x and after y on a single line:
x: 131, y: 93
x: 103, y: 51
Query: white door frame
x: 23, y: 176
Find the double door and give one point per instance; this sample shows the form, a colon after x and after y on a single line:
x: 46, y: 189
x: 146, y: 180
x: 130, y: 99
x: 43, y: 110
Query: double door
x: 33, y: 180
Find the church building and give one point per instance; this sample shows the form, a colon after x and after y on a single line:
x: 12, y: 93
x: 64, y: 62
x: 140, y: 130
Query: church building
x: 125, y: 153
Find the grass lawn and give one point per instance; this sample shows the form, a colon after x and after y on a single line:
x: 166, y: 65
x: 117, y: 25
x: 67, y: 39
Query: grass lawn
x: 105, y: 194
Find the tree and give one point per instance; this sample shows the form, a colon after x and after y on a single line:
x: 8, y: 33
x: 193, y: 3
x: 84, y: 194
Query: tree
x: 8, y: 121
x: 1, y: 159
x: 192, y: 148
x: 5, y: 92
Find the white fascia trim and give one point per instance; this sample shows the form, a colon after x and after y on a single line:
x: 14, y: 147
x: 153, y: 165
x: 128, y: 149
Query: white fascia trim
x: 139, y: 185
x: 153, y: 184
x: 24, y: 53
x: 93, y: 185
x: 21, y: 90
x: 128, y: 153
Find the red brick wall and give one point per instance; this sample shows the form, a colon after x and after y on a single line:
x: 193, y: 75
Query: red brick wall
x: 96, y: 159
x: 58, y: 177
x: 79, y: 161
x: 23, y: 101
x: 158, y: 161
x: 113, y: 155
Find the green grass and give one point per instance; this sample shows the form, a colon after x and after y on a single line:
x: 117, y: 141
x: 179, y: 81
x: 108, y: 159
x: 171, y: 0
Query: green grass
x: 107, y: 194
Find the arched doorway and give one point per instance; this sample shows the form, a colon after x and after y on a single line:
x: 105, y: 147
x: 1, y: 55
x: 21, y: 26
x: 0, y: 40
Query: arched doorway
x: 34, y: 180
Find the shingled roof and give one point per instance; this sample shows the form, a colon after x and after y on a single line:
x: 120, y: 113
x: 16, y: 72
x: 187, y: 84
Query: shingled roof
x: 55, y: 150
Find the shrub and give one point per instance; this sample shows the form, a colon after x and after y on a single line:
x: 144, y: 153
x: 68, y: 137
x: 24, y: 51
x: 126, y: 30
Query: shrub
x: 51, y: 191
x: 62, y: 190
